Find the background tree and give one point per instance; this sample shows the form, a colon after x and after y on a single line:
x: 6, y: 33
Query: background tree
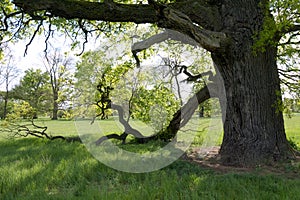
x: 9, y: 73
x: 230, y: 29
x: 34, y: 88
x: 57, y: 67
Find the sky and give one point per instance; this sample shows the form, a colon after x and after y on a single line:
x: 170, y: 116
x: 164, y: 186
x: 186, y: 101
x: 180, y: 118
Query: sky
x: 35, y: 52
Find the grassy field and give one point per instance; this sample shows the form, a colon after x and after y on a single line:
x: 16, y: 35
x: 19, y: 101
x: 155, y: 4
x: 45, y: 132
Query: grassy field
x: 292, y: 127
x: 32, y: 168
x: 209, y: 131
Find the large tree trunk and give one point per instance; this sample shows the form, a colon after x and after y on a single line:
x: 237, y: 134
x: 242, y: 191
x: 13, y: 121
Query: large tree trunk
x: 253, y: 126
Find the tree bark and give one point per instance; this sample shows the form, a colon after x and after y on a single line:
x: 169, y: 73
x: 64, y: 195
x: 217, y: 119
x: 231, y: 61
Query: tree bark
x: 253, y: 126
x: 184, y: 114
x: 55, y: 106
x: 5, y: 104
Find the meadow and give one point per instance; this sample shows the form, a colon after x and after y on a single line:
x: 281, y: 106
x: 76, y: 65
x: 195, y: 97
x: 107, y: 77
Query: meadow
x: 32, y: 168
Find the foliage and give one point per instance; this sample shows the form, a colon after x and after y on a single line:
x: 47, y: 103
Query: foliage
x: 211, y: 108
x: 106, y: 84
x: 9, y: 107
x: 23, y: 110
x: 96, y: 76
x: 155, y: 106
x: 280, y: 31
x: 67, y: 114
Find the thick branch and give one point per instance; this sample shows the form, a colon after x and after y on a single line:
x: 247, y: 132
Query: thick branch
x: 112, y: 12
x: 210, y: 40
x: 204, y: 13
x: 158, y: 38
x: 185, y: 31
x: 177, y: 16
x: 184, y: 114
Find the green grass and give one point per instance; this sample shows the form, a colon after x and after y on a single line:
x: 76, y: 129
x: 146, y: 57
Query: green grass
x: 209, y: 130
x: 292, y: 128
x: 68, y: 127
x: 38, y: 169
x: 32, y: 168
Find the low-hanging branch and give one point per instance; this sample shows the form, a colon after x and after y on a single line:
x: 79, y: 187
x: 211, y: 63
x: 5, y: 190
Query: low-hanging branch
x: 158, y: 38
x: 105, y: 103
x: 128, y: 129
x: 179, y: 120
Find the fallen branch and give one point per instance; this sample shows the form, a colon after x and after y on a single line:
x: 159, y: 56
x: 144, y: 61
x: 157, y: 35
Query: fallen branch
x: 24, y: 130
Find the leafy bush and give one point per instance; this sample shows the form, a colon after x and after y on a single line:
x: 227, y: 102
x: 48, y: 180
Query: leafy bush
x: 21, y: 110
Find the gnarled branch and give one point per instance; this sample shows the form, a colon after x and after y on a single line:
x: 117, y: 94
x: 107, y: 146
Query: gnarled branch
x: 179, y: 120
x: 166, y: 16
x: 210, y: 40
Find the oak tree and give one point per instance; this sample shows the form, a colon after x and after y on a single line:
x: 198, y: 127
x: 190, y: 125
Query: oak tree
x: 242, y: 36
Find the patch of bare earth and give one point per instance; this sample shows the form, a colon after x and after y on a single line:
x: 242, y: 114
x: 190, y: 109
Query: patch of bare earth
x: 208, y: 157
